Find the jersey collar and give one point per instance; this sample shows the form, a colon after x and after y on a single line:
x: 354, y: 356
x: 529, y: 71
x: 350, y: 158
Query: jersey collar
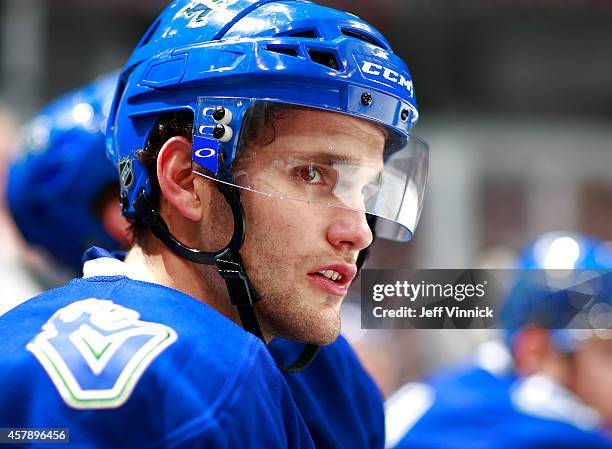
x: 100, y: 262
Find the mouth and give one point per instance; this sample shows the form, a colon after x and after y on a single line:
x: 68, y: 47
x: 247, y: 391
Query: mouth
x: 334, y: 279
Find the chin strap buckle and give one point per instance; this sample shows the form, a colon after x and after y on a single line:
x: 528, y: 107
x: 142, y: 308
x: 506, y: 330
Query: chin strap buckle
x: 242, y: 294
x: 231, y: 269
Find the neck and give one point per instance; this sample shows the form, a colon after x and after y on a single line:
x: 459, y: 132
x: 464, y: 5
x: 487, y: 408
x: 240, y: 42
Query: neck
x: 199, y: 281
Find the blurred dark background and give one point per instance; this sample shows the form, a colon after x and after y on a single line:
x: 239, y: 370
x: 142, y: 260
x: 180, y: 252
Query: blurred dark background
x: 467, y: 56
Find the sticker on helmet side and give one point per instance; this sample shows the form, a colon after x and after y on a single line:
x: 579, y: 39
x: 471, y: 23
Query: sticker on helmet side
x: 95, y: 352
x: 377, y: 71
x: 205, y: 153
x: 197, y: 11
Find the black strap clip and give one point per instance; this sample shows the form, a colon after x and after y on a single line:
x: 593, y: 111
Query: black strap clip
x: 231, y: 269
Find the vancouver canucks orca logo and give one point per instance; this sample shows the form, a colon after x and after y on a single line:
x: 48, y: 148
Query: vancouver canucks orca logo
x: 95, y: 352
x: 197, y: 11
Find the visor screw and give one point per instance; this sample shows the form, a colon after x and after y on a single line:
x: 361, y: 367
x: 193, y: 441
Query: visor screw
x: 223, y: 133
x: 405, y: 114
x: 219, y: 114
x: 222, y: 116
x: 366, y: 99
x: 219, y: 131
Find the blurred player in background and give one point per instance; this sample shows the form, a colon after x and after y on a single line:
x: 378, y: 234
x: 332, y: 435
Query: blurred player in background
x: 59, y: 149
x: 56, y: 213
x: 194, y: 13
x: 65, y: 142
x: 545, y: 388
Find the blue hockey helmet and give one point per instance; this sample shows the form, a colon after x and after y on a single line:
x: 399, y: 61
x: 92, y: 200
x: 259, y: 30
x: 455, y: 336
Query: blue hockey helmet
x: 222, y: 59
x: 59, y: 147
x: 233, y: 64
x: 564, y: 282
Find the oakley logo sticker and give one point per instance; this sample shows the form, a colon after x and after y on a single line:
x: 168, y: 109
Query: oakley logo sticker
x: 379, y: 71
x: 95, y: 352
x: 205, y: 153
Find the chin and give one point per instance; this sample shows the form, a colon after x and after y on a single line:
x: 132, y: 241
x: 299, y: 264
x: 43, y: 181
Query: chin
x: 322, y: 334
x: 323, y: 337
x: 328, y: 328
x: 320, y: 328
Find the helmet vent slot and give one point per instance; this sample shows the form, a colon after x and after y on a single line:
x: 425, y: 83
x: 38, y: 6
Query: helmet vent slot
x: 350, y: 32
x: 283, y: 49
x: 324, y: 58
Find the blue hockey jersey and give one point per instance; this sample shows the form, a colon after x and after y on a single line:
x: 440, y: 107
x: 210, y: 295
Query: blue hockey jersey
x: 339, y: 401
x: 124, y: 363
x: 476, y: 407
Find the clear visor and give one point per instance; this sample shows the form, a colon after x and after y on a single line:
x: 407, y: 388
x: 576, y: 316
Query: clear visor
x: 332, y: 159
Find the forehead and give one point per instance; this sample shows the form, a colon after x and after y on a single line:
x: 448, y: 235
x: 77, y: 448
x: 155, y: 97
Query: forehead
x: 303, y: 119
x: 313, y: 131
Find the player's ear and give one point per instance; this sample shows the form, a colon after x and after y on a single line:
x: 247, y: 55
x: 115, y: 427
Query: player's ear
x: 176, y: 180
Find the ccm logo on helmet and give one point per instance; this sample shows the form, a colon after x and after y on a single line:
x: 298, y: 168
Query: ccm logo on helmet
x: 372, y: 68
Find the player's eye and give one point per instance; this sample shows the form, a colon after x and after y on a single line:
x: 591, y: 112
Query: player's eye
x: 309, y: 174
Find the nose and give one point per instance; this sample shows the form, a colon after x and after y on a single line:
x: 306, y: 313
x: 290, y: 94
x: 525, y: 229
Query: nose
x: 349, y: 228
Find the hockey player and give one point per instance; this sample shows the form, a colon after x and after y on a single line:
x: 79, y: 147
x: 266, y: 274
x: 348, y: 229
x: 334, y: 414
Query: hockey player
x: 550, y: 388
x: 49, y: 202
x: 61, y: 141
x: 289, y: 153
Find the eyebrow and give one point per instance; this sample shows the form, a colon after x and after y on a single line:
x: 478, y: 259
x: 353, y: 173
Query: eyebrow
x: 334, y: 158
x: 329, y: 159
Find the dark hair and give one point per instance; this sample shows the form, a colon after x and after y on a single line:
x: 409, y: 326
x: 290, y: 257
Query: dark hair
x: 168, y: 125
x: 259, y: 123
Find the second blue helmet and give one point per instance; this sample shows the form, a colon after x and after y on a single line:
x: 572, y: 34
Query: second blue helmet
x: 60, y: 171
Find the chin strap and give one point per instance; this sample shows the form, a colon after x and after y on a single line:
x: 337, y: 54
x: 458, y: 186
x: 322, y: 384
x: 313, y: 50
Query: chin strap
x: 228, y: 261
x: 303, y: 361
x: 241, y: 292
